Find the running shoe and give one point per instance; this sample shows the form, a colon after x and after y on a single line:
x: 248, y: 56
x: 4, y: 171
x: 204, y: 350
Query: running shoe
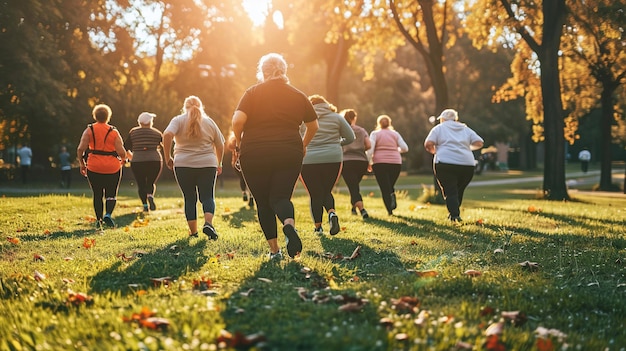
x: 354, y: 211
x: 364, y: 214
x: 245, y: 197
x: 393, y: 204
x: 333, y: 221
x: 151, y: 201
x: 294, y: 244
x: 318, y: 231
x: 209, y: 231
x: 108, y: 221
x: 276, y: 256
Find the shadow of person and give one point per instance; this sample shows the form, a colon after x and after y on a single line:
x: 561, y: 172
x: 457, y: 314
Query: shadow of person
x: 140, y: 270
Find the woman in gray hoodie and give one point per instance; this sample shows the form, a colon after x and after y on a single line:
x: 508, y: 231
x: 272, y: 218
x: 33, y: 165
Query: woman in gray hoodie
x: 321, y: 166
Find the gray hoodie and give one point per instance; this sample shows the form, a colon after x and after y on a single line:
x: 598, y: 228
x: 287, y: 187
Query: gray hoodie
x: 334, y: 131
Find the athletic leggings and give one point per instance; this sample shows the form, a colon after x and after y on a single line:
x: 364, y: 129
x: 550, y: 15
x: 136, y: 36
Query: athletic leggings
x: 197, y: 183
x: 386, y: 176
x: 453, y: 179
x: 271, y: 180
x: 146, y: 174
x: 352, y: 173
x: 319, y: 180
x: 104, y: 185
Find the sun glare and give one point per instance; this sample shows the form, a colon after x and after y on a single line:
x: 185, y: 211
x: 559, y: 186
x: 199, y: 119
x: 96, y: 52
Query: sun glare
x: 257, y: 10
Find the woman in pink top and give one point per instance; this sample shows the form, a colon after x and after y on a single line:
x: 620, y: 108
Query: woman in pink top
x: 385, y: 160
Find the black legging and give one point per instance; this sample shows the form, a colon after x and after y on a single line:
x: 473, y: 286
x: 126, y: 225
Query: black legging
x: 353, y: 172
x: 146, y: 174
x: 453, y: 179
x: 386, y: 176
x: 197, y: 183
x: 271, y: 181
x: 319, y: 180
x: 104, y: 185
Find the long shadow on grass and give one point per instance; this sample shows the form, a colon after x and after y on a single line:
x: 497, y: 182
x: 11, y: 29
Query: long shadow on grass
x: 278, y: 301
x: 236, y: 219
x: 138, y: 272
x: 577, y: 221
x: 411, y: 226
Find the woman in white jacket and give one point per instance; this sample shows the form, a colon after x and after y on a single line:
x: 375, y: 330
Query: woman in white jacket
x: 452, y: 143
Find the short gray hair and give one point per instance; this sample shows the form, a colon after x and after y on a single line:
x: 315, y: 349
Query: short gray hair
x: 272, y: 66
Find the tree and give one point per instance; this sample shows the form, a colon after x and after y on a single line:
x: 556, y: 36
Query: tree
x: 595, y: 41
x: 539, y: 25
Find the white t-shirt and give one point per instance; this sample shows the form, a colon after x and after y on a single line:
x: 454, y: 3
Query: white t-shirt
x: 196, y: 152
x: 584, y: 155
x: 453, y: 142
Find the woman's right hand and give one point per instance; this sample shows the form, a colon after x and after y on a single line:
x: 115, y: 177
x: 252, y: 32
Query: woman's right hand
x: 169, y: 163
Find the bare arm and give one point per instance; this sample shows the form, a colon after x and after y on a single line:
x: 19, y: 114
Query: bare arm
x: 119, y: 147
x: 311, y: 129
x: 167, y: 149
x: 430, y: 147
x: 476, y: 145
x: 80, y: 150
x: 238, y: 122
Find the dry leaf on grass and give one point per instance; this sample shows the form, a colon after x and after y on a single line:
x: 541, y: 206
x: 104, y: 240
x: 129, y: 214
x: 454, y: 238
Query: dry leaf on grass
x: 472, y: 273
x: 531, y: 266
x: 495, y: 329
x: 239, y: 340
x: 265, y: 280
x: 405, y: 304
x: 38, y: 257
x: 165, y: 281
x: 518, y: 318
x: 427, y: 274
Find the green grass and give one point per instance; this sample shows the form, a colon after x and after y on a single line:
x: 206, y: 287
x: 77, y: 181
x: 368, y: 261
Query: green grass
x: 578, y: 288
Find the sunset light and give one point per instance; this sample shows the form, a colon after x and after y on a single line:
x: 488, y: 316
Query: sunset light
x: 258, y: 10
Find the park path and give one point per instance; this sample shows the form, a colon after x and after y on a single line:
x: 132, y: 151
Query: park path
x: 573, y: 179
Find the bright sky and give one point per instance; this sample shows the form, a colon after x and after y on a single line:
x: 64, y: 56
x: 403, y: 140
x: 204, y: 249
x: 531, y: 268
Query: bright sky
x: 257, y: 10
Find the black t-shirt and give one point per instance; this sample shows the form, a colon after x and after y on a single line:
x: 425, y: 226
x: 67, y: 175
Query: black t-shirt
x: 275, y: 110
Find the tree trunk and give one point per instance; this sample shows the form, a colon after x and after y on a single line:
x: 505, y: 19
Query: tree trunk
x: 336, y: 60
x: 605, y: 140
x: 554, y: 186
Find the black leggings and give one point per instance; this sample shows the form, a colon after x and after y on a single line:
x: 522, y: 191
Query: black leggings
x: 319, y: 180
x: 197, y: 183
x: 453, y: 179
x: 386, y: 176
x: 104, y: 185
x: 146, y: 174
x: 271, y: 181
x: 353, y: 172
x: 242, y: 181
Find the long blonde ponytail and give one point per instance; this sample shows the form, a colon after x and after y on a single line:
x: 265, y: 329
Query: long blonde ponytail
x: 193, y: 108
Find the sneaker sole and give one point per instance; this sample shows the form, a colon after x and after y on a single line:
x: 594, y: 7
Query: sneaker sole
x: 334, y: 225
x: 152, y: 204
x: 294, y: 244
x: 210, y: 232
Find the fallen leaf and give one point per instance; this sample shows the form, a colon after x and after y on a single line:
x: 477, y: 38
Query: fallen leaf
x: 77, y: 299
x: 67, y: 280
x: 401, y: 336
x: 387, y: 322
x: 518, y: 318
x: 427, y: 274
x: 498, y: 251
x: 68, y: 258
x: 38, y: 257
x: 460, y: 345
x: 265, y: 280
x: 46, y: 232
x: 351, y: 307
x: 161, y: 281
x: 89, y: 243
x: 493, y: 343
x: 406, y: 304
x: 155, y: 323
x: 545, y: 344
x: 480, y: 221
x: 356, y: 253
x: 472, y: 273
x: 246, y: 293
x: 39, y: 276
x: 532, y: 266
x: 13, y: 240
x: 487, y: 311
x: 495, y: 329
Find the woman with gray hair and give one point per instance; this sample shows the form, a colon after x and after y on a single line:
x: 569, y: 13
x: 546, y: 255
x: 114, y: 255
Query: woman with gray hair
x: 452, y: 143
x: 270, y: 149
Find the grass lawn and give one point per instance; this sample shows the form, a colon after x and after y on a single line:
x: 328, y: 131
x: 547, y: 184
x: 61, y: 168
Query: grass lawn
x: 519, y: 274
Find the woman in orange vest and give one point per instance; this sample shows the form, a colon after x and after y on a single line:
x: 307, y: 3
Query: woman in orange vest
x: 100, y: 153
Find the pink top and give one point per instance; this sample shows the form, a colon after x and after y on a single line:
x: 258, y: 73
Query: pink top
x: 387, y: 144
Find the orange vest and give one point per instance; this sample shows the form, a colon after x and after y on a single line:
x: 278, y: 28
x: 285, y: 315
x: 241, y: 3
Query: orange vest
x: 102, y: 156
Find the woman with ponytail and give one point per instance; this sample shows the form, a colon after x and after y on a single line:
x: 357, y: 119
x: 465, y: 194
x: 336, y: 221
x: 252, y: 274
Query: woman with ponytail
x: 197, y: 161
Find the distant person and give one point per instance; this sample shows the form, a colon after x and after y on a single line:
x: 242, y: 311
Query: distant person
x: 584, y: 156
x: 355, y: 162
x: 452, y: 143
x: 25, y: 155
x: 266, y: 124
x: 321, y: 166
x: 101, y: 155
x: 65, y: 165
x: 197, y: 161
x: 385, y: 159
x: 144, y: 144
x: 246, y: 195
